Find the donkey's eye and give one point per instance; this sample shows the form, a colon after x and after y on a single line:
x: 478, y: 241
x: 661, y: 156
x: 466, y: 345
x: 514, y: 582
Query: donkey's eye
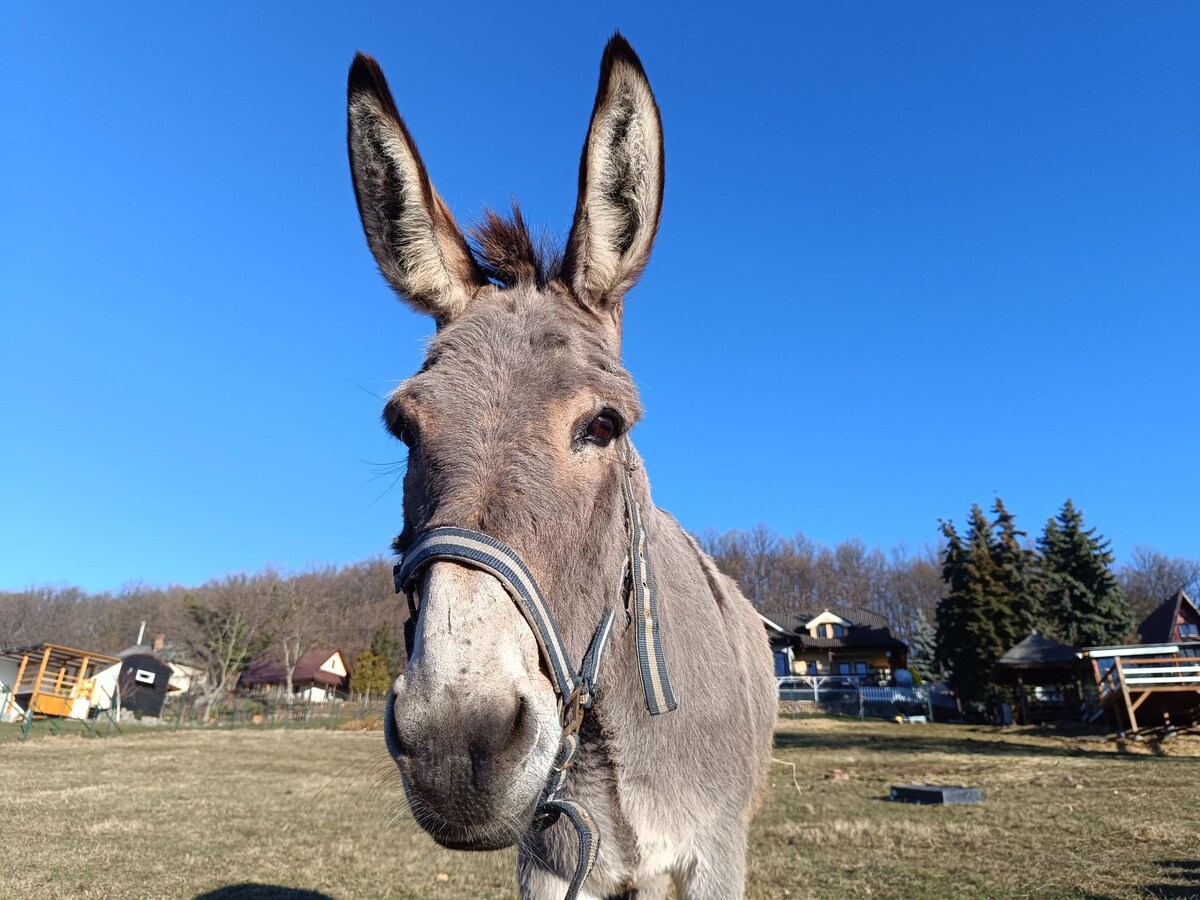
x: 405, y: 433
x: 602, y: 429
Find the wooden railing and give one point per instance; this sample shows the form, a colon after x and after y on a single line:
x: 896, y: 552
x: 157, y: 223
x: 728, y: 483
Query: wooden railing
x: 1150, y: 673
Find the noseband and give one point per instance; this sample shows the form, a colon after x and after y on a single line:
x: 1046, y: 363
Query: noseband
x: 576, y: 690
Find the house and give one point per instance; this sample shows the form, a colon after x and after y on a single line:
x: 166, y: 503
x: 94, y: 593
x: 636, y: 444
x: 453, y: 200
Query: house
x: 845, y: 642
x: 49, y: 680
x: 319, y: 675
x: 139, y: 682
x: 1176, y: 621
x: 174, y: 655
x: 1155, y: 683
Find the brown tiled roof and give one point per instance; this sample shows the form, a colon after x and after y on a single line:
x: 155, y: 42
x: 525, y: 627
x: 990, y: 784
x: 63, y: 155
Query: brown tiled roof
x: 868, y: 630
x: 266, y: 669
x: 855, y: 638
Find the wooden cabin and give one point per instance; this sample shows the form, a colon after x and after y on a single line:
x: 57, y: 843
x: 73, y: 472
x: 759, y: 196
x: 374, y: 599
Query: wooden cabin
x: 49, y: 680
x: 1176, y: 621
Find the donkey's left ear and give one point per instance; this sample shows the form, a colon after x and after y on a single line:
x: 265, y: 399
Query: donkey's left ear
x: 620, y: 185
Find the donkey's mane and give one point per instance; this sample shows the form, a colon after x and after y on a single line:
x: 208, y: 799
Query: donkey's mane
x: 509, y: 254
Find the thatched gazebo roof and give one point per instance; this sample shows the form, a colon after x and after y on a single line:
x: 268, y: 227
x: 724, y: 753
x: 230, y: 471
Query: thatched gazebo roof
x: 1037, y: 660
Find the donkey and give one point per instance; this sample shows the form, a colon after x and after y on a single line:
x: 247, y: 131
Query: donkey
x: 529, y: 531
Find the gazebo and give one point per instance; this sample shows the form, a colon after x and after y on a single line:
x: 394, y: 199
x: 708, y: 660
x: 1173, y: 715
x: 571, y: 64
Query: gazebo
x: 1044, y: 675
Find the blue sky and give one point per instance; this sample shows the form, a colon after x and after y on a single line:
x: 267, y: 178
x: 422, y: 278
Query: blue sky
x: 912, y: 256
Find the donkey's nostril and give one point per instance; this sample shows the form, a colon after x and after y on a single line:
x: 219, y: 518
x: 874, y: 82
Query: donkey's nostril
x: 506, y: 731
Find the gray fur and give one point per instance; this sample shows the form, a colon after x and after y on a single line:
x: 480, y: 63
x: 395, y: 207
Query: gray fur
x: 498, y: 413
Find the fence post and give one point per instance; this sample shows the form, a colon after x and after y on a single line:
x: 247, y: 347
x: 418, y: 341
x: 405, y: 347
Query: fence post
x: 861, y: 714
x: 929, y: 701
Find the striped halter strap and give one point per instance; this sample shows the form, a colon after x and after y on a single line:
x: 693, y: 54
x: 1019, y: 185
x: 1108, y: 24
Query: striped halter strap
x: 576, y: 690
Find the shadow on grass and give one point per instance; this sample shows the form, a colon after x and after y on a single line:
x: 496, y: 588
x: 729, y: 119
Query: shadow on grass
x: 251, y: 891
x: 911, y: 741
x: 1185, y: 875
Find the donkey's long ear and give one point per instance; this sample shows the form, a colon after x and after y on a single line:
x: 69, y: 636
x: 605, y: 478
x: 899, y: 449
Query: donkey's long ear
x: 620, y: 184
x: 418, y: 245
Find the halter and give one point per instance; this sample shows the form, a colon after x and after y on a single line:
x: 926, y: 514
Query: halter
x: 576, y: 690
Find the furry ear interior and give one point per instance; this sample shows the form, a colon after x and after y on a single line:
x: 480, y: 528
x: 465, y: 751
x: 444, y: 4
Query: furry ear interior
x: 419, y: 247
x: 620, y: 184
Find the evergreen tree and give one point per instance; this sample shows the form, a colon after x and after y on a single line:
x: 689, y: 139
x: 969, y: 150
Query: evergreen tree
x: 385, y: 645
x: 1017, y: 578
x: 1083, y: 604
x: 977, y: 621
x: 922, y: 649
x: 369, y: 676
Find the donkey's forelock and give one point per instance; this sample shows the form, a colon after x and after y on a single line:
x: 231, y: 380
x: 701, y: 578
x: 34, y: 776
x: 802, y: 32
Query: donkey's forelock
x: 509, y: 254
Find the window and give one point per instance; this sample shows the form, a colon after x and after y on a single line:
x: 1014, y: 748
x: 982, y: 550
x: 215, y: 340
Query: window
x: 860, y: 668
x: 1189, y: 630
x: 812, y: 667
x: 843, y: 668
x: 839, y: 631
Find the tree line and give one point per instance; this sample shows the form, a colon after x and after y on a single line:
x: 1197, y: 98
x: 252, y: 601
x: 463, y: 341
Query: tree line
x: 981, y: 590
x: 1000, y: 587
x: 220, y: 625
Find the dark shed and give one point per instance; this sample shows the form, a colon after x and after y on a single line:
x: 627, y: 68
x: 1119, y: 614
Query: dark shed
x: 143, y: 683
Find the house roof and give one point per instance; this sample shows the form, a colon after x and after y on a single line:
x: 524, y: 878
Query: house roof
x: 855, y: 638
x: 826, y: 618
x: 1159, y: 626
x: 59, y: 655
x: 1038, y: 650
x: 1037, y: 660
x: 267, y: 669
x: 868, y: 629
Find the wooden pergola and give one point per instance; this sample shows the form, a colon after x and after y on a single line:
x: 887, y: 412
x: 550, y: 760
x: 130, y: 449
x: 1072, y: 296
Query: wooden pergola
x: 52, y: 680
x: 1154, y: 681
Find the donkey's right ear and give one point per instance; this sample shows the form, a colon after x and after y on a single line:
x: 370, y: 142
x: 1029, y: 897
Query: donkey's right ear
x: 419, y: 247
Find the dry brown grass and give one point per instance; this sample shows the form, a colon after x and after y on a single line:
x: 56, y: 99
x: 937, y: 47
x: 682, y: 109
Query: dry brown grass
x: 180, y: 814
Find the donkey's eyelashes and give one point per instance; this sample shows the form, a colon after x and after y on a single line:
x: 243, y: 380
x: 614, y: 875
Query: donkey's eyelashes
x: 399, y: 427
x: 405, y: 434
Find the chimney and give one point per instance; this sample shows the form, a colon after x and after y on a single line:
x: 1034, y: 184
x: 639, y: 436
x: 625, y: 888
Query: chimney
x: 159, y: 639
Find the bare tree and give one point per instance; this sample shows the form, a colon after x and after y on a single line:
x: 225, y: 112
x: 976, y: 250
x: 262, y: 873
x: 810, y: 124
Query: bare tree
x: 304, y: 618
x: 1150, y: 577
x: 234, y: 618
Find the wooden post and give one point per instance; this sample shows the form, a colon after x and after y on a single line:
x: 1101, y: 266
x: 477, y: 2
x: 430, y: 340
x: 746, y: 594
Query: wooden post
x: 1129, y: 707
x: 12, y: 697
x: 83, y: 678
x: 1021, y: 707
x: 37, y: 683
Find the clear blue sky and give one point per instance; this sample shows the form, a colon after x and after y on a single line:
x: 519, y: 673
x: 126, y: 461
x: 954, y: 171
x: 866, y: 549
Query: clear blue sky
x: 912, y: 256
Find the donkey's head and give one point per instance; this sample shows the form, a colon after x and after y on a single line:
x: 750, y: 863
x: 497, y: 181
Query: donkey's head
x: 515, y: 426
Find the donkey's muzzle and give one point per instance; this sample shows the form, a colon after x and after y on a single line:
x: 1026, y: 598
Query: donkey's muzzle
x: 457, y: 764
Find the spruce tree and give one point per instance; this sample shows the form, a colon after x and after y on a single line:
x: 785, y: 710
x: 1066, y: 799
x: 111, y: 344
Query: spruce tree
x: 1083, y: 604
x: 1017, y: 581
x: 922, y: 649
x: 975, y: 620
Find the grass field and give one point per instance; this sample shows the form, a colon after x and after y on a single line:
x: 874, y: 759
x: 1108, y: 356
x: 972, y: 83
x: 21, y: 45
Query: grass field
x: 251, y: 815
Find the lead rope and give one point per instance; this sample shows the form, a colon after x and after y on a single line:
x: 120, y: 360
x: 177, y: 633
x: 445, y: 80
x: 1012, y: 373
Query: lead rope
x: 576, y: 691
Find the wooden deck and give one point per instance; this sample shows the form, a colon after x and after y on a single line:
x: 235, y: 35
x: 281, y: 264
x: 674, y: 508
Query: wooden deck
x: 53, y: 680
x: 1162, y: 690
